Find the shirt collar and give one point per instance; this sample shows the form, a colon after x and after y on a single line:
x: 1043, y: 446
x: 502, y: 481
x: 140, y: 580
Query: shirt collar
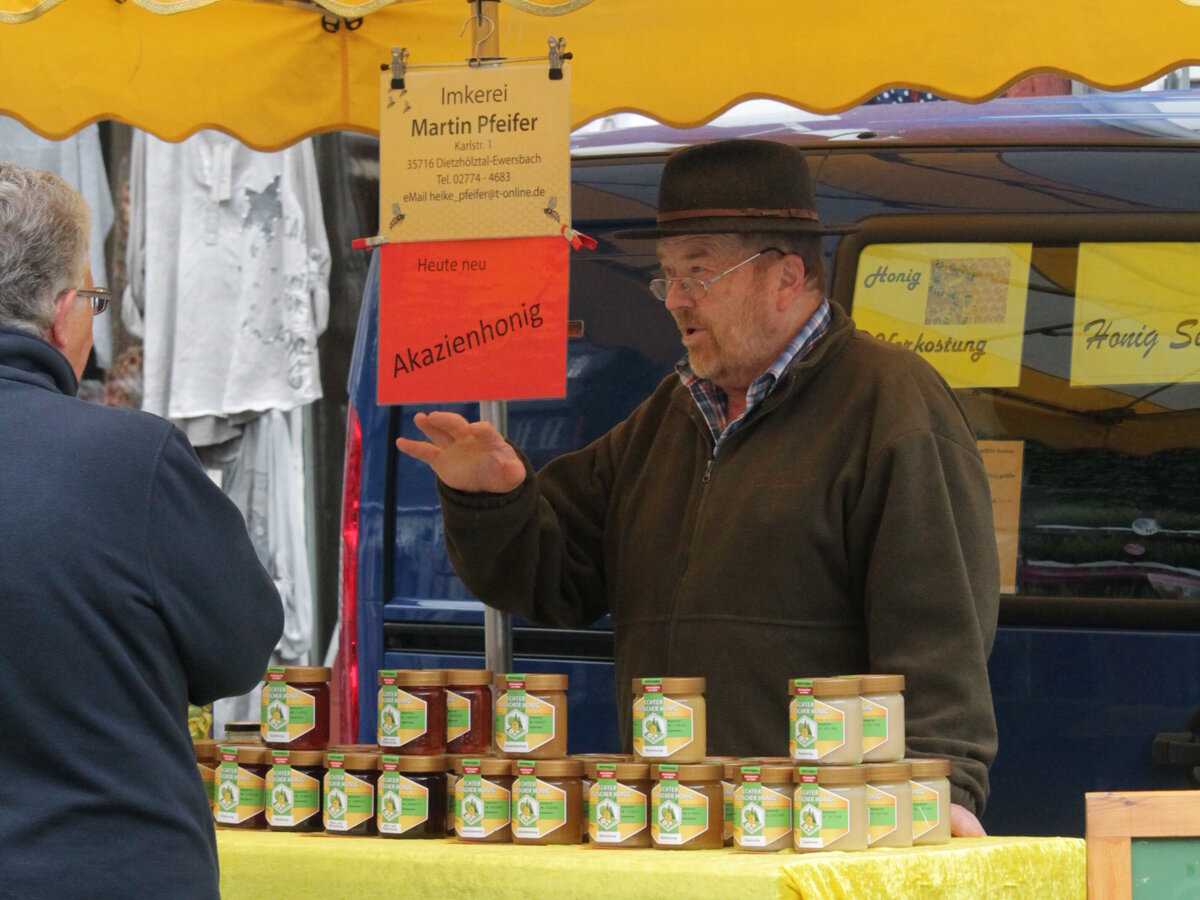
x: 713, y: 402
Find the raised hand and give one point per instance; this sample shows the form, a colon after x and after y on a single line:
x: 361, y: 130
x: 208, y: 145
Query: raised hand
x: 467, y: 456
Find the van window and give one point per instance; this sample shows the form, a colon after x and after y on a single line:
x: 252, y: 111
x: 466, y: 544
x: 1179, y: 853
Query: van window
x: 1102, y: 394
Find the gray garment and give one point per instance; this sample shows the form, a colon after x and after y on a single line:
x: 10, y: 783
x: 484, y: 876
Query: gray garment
x: 262, y: 473
x: 79, y: 162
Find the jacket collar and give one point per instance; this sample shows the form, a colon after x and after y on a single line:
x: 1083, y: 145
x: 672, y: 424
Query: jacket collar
x: 800, y: 372
x: 31, y: 360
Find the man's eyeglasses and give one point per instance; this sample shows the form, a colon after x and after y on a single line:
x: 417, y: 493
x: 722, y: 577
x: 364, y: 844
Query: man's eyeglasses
x: 696, y: 288
x: 99, y: 297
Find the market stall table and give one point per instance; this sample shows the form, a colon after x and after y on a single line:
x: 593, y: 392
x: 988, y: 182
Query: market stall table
x: 257, y: 864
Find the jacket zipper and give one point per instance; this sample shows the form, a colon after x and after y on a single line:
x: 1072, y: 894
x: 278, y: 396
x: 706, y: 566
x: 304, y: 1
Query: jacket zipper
x: 671, y: 624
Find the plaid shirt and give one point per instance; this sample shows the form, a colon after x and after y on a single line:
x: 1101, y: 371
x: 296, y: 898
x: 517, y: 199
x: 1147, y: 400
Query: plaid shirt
x: 713, y: 403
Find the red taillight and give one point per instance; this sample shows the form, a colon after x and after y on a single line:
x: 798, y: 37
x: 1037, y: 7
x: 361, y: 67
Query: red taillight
x: 347, y: 661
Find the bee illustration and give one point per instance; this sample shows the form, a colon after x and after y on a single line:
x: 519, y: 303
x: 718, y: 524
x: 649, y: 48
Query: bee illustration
x: 397, y: 216
x: 550, y: 211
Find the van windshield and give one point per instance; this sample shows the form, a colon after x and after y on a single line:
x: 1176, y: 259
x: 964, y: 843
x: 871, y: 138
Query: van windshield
x: 1079, y: 367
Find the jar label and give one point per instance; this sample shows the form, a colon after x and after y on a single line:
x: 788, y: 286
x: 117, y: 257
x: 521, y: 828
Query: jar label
x: 538, y: 807
x: 239, y: 793
x: 926, y: 810
x: 875, y: 724
x: 523, y: 722
x: 616, y: 812
x: 483, y: 807
x: 349, y: 801
x: 287, y: 713
x: 403, y: 804
x: 761, y: 815
x: 451, y: 801
x: 402, y: 717
x: 661, y: 726
x: 727, y: 789
x: 817, y: 729
x: 208, y: 774
x: 678, y: 814
x: 821, y: 817
x: 292, y: 796
x: 458, y: 715
x: 881, y: 814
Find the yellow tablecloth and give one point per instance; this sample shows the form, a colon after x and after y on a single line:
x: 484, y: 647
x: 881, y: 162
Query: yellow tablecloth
x: 275, y: 865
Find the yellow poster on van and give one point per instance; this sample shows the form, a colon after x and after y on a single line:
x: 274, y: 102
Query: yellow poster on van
x: 960, y: 306
x: 1003, y: 461
x: 1137, y: 314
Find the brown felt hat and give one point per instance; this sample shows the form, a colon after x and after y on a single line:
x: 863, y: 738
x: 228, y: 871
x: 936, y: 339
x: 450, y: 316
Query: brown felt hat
x: 736, y: 186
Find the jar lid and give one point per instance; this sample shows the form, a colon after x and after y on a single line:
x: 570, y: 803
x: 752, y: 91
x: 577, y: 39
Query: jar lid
x: 685, y: 685
x: 766, y: 772
x: 551, y: 768
x: 929, y: 767
x: 488, y: 765
x: 205, y: 750
x: 824, y: 687
x: 831, y: 775
x: 601, y: 757
x: 438, y: 762
x: 878, y: 773
x: 242, y: 728
x: 413, y: 677
x: 302, y: 674
x: 354, y: 759
x: 623, y: 770
x: 247, y: 754
x: 468, y: 677
x: 879, y: 684
x: 535, y: 681
x: 690, y: 771
x: 296, y: 757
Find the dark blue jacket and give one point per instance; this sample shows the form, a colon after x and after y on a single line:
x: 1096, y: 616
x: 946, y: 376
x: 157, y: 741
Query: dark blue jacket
x: 128, y: 585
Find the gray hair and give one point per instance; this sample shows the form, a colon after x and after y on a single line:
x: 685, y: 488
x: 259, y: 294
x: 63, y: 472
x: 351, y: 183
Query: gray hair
x: 44, y: 225
x: 806, y: 246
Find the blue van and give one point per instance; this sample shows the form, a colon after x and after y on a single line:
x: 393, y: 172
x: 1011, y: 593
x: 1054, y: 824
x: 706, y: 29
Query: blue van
x: 1098, y: 649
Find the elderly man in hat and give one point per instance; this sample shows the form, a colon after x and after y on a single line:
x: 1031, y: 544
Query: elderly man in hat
x: 128, y: 585
x: 800, y: 499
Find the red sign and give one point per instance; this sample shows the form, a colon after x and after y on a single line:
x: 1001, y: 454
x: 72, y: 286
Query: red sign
x: 473, y: 320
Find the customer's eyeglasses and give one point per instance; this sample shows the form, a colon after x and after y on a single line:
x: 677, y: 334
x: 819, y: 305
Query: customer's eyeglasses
x: 99, y: 297
x: 696, y: 288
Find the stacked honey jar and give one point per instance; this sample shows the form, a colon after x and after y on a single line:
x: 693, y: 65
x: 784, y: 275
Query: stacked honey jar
x: 462, y: 751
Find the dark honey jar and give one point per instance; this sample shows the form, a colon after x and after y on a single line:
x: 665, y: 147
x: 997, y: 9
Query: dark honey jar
x: 295, y: 707
x: 412, y: 711
x: 468, y: 711
x: 348, y: 799
x: 412, y: 797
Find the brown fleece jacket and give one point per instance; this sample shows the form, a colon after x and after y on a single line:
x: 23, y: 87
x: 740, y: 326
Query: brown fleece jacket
x: 846, y: 528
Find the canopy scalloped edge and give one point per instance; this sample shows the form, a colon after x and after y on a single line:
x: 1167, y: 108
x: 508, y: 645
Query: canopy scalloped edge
x: 345, y: 10
x: 277, y: 142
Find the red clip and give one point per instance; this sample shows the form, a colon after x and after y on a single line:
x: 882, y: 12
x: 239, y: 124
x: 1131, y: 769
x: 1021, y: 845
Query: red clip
x: 578, y: 239
x: 368, y: 242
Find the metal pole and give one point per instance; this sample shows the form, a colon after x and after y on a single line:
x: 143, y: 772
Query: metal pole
x: 497, y: 625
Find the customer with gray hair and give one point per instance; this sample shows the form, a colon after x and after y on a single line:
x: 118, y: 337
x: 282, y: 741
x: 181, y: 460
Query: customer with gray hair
x: 128, y: 586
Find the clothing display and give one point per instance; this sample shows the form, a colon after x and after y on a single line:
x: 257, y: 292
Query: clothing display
x: 229, y: 277
x: 260, y: 472
x: 78, y: 160
x: 229, y: 289
x: 846, y: 527
x: 130, y: 587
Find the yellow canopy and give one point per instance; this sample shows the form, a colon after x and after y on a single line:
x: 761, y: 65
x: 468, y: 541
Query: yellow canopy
x: 269, y: 73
